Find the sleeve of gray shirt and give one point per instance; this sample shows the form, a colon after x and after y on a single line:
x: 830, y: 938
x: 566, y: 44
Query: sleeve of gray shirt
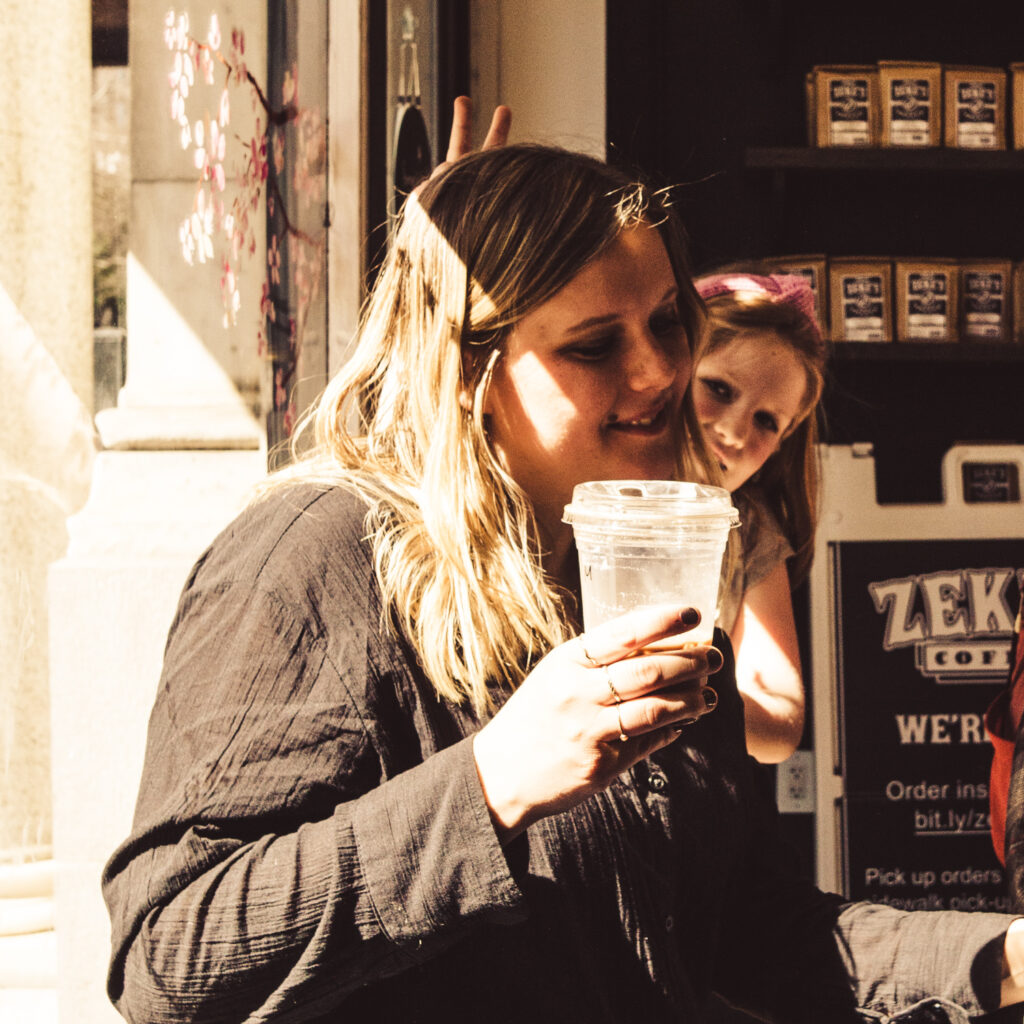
x: 272, y: 861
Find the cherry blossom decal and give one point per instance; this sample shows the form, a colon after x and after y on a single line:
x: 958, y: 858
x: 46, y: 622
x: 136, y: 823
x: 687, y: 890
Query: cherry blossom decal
x: 285, y: 158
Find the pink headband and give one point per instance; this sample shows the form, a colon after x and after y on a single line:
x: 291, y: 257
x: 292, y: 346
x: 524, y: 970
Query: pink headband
x: 788, y: 289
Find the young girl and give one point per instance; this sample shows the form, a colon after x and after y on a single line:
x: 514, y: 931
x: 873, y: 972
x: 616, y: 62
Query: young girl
x: 759, y: 376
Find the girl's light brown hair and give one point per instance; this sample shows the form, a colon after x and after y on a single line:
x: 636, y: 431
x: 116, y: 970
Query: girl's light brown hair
x: 789, y: 481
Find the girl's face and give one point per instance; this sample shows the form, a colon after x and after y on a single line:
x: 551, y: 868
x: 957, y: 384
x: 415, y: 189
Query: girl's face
x: 590, y: 382
x: 748, y: 393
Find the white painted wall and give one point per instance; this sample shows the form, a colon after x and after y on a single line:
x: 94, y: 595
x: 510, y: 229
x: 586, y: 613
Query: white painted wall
x: 546, y: 60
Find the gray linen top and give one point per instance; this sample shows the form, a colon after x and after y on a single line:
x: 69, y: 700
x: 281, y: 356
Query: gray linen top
x: 764, y: 546
x: 311, y: 842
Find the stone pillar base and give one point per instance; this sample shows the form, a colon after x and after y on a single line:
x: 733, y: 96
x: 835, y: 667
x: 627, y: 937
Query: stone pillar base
x: 150, y: 514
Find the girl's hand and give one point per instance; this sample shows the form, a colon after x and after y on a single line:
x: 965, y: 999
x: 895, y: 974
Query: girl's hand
x: 590, y: 710
x: 460, y: 141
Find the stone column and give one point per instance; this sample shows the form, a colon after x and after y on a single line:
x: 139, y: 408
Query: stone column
x: 180, y: 452
x: 46, y: 327
x: 46, y: 441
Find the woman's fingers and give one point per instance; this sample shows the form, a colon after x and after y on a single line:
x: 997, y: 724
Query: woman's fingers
x: 674, y: 707
x: 629, y: 634
x: 644, y: 686
x: 646, y: 673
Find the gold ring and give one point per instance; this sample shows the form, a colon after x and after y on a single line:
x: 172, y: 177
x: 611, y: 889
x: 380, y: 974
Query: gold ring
x: 616, y: 696
x: 587, y: 657
x: 623, y: 735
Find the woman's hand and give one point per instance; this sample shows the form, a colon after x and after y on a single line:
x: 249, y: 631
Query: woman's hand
x: 591, y: 709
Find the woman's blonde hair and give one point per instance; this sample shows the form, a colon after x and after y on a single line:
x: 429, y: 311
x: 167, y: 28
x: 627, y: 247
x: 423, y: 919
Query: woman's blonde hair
x: 455, y: 543
x: 789, y: 481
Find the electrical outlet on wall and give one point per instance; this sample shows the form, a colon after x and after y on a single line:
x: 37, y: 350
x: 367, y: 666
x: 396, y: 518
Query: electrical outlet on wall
x: 794, y: 783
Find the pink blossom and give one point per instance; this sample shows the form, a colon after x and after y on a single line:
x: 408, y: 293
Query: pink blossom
x: 186, y: 240
x: 218, y: 141
x: 249, y: 174
x: 258, y: 155
x: 230, y: 296
x: 207, y: 66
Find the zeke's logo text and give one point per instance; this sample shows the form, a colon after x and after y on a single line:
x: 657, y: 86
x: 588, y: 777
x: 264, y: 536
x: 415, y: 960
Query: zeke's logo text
x: 959, y: 623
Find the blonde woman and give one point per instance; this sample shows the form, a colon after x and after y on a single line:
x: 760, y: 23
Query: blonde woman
x: 386, y: 778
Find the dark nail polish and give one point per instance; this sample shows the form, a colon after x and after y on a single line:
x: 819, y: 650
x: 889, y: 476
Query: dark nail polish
x: 715, y: 659
x: 710, y: 698
x: 689, y: 617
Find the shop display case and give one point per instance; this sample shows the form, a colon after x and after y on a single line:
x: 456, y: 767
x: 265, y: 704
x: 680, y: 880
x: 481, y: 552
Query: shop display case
x: 711, y: 99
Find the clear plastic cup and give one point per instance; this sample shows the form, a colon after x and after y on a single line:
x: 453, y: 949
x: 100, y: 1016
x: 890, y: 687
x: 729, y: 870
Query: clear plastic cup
x: 650, y: 542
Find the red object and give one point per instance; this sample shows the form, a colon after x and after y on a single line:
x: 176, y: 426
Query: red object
x: 1002, y: 721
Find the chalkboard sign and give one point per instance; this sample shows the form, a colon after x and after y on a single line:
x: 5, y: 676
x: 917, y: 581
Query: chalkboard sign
x: 924, y: 629
x: 911, y: 616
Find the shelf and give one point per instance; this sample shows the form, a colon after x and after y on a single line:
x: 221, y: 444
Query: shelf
x: 926, y: 351
x: 838, y: 158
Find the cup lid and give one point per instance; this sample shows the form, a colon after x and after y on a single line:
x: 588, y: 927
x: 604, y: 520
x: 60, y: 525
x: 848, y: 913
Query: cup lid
x: 650, y: 501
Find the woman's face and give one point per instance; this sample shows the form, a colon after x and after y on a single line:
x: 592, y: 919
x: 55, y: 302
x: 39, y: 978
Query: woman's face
x: 590, y: 382
x: 747, y: 395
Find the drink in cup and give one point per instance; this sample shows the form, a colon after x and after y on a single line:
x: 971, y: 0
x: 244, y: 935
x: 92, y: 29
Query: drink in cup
x: 650, y: 542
